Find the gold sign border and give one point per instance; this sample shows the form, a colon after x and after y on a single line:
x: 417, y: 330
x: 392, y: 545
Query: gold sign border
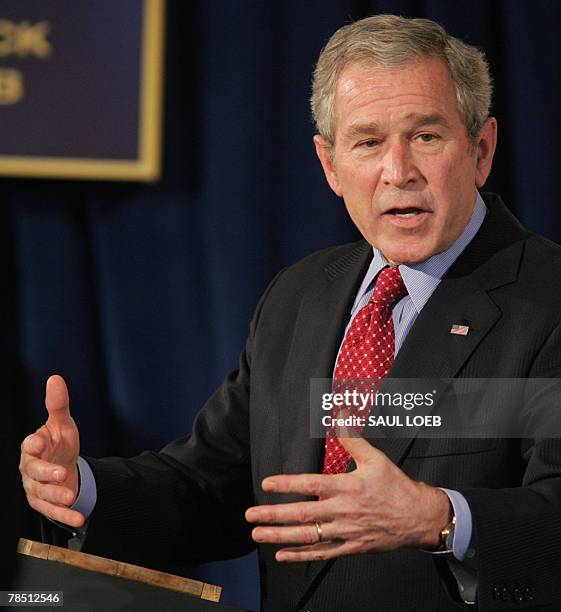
x: 147, y: 167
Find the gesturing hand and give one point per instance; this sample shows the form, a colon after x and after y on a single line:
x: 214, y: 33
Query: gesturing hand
x: 376, y: 507
x: 48, y: 459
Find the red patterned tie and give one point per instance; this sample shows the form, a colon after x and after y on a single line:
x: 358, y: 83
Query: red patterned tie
x: 367, y: 352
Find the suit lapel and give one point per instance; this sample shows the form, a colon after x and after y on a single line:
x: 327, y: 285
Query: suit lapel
x: 430, y: 351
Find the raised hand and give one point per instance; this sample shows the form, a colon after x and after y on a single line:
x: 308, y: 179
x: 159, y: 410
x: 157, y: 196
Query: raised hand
x: 376, y: 507
x: 48, y: 459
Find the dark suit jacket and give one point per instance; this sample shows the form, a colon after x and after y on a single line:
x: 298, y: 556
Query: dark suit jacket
x: 186, y: 503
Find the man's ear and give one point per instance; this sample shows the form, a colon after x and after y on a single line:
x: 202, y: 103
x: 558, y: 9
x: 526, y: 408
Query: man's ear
x: 486, y: 144
x: 323, y: 151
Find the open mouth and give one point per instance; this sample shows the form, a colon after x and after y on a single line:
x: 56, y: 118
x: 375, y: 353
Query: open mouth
x: 405, y: 212
x: 410, y: 218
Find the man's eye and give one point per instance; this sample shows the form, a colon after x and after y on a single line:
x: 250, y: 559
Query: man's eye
x: 426, y: 137
x: 370, y: 144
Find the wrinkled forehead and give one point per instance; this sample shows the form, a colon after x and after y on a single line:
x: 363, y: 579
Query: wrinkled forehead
x: 430, y: 74
x: 425, y: 85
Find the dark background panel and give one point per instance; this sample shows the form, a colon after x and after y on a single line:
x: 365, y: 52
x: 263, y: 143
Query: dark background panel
x: 140, y: 295
x: 81, y: 100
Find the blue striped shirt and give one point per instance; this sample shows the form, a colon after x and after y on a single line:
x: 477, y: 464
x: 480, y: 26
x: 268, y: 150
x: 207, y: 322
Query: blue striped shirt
x: 420, y: 279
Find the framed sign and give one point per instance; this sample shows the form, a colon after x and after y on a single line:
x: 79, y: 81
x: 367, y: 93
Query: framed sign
x: 81, y: 89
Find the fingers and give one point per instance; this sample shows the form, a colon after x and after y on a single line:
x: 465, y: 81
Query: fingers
x: 315, y: 485
x: 292, y: 534
x: 35, y: 444
x: 317, y: 552
x: 61, y: 514
x: 56, y: 398
x: 51, y: 493
x: 41, y: 471
x: 42, y: 483
x: 296, y: 512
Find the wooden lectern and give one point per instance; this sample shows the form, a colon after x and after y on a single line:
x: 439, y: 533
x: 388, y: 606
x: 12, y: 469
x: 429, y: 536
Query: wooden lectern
x: 91, y: 583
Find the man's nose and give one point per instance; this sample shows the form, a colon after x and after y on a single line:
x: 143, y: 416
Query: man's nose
x: 399, y: 169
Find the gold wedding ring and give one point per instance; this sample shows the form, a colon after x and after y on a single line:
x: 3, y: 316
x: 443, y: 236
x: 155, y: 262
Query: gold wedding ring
x: 320, y: 532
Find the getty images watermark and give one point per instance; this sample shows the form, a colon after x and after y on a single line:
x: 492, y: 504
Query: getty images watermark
x: 355, y: 407
x: 437, y: 408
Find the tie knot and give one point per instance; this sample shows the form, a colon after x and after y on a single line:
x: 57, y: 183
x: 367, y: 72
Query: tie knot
x: 389, y: 287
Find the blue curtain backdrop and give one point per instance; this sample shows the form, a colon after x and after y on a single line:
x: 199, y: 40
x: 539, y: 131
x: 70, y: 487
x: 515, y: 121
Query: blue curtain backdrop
x: 141, y: 295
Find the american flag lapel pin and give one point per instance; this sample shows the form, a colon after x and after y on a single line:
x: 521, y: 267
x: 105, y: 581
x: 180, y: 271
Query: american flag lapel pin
x: 459, y: 329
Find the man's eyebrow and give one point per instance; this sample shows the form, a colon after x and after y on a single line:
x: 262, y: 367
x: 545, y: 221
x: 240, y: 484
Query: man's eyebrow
x: 431, y: 119
x: 366, y: 129
x: 363, y: 129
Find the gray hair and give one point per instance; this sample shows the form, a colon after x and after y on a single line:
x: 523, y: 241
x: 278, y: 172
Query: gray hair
x: 391, y: 41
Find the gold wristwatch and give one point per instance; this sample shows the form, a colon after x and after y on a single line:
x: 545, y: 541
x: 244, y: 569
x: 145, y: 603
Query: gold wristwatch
x: 446, y: 537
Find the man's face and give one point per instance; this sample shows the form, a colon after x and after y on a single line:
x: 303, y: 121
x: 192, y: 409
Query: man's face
x: 402, y: 160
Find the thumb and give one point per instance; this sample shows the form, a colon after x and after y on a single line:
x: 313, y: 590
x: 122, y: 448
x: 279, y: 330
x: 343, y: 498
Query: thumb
x: 56, y: 398
x: 360, y: 450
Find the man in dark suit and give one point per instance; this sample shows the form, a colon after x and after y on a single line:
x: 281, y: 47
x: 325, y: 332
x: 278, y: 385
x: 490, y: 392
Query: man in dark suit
x: 405, y: 139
